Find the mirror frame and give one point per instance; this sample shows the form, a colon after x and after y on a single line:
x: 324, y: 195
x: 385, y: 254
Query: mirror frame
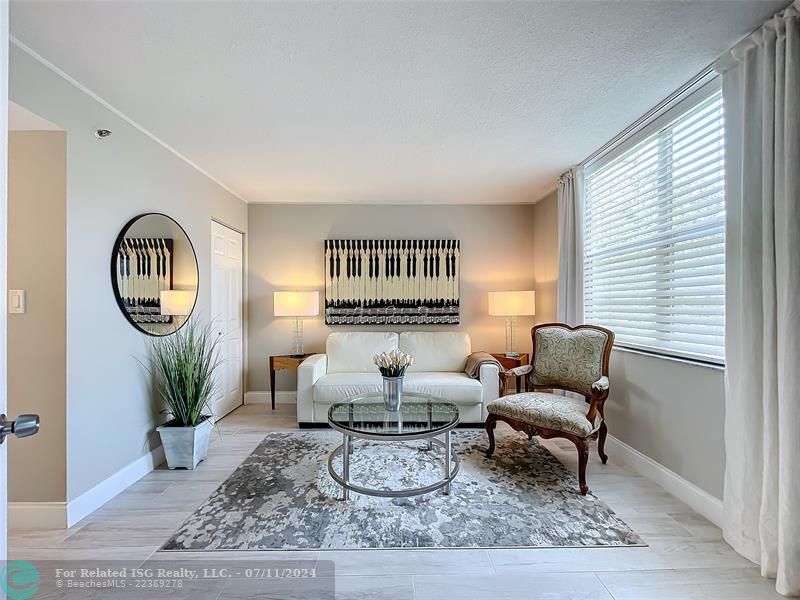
x: 115, y: 287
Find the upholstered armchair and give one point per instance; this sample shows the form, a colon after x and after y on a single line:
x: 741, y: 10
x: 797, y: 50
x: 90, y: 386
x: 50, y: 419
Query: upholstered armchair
x: 574, y: 359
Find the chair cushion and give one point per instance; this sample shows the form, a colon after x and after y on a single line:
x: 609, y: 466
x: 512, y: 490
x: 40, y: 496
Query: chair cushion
x: 341, y: 387
x: 546, y: 410
x: 352, y: 351
x: 568, y: 358
x: 436, y: 350
x: 457, y: 388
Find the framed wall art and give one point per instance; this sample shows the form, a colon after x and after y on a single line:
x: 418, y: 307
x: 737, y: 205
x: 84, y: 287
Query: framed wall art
x: 387, y: 282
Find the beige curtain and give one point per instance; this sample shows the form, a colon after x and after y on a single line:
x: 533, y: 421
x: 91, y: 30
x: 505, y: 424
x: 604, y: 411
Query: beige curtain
x: 761, y: 90
x: 569, y: 307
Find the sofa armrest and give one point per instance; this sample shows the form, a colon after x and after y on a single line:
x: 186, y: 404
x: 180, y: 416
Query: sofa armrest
x: 309, y: 371
x: 489, y: 376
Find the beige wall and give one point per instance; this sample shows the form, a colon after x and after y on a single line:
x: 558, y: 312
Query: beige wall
x: 37, y: 340
x: 285, y: 252
x: 111, y: 405
x: 673, y: 412
x: 545, y: 253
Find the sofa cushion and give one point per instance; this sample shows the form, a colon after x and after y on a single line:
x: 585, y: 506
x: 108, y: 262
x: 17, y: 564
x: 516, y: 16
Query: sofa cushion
x: 561, y: 413
x: 352, y: 351
x: 457, y: 388
x: 453, y: 387
x: 341, y: 387
x: 436, y: 350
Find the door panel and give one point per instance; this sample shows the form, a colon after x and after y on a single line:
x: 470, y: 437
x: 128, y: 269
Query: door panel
x: 227, y: 314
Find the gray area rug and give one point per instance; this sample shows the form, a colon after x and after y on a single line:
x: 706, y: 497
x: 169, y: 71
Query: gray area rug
x: 282, y: 498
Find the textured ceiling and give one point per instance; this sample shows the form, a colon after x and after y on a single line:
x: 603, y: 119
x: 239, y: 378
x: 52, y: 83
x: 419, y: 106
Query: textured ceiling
x: 385, y: 102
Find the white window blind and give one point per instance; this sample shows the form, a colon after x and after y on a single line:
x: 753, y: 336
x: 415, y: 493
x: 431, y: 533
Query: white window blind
x: 654, y: 245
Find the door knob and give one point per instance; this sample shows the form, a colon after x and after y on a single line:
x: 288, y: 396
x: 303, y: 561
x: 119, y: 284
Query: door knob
x: 24, y: 426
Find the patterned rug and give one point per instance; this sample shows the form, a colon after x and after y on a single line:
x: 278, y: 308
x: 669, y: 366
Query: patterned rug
x: 282, y: 498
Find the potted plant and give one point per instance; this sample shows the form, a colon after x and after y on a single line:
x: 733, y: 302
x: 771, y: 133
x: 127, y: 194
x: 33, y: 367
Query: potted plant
x: 183, y: 366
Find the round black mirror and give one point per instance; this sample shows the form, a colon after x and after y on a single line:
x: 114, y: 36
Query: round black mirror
x: 154, y: 274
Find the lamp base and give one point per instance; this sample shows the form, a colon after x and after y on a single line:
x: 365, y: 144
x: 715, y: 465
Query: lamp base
x: 510, y: 338
x: 298, y: 338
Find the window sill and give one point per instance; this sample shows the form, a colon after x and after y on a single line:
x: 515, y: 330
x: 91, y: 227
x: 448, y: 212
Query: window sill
x: 686, y: 361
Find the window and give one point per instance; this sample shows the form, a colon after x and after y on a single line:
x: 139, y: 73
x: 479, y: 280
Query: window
x: 654, y: 245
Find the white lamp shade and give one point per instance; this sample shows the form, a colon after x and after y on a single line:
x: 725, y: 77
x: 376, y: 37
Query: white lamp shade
x: 177, y: 302
x: 296, y: 304
x: 512, y: 304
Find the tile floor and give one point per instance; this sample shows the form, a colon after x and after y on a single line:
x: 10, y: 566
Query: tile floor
x: 686, y: 557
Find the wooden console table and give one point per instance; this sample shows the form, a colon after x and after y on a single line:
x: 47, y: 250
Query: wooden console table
x: 283, y: 361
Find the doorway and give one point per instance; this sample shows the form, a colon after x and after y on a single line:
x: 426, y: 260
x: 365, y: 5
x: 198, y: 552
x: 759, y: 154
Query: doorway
x: 227, y: 307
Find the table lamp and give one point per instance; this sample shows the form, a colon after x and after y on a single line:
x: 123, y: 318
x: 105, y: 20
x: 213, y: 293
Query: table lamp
x: 512, y: 305
x: 177, y: 303
x: 297, y: 305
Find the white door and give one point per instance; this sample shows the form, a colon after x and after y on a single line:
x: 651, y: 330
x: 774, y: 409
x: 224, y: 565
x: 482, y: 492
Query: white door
x: 3, y: 263
x: 227, y: 263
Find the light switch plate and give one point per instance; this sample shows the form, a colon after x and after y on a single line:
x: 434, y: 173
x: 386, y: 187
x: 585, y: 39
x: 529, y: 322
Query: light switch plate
x: 16, y: 302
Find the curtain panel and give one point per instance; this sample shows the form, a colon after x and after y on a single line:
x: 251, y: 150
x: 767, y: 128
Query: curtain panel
x: 569, y: 308
x: 761, y: 90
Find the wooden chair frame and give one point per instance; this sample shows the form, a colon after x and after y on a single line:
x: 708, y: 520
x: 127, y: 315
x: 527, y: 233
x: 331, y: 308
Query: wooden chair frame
x: 596, y: 401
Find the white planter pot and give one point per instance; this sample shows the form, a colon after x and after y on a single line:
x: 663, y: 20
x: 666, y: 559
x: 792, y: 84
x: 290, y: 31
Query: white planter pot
x: 185, y: 447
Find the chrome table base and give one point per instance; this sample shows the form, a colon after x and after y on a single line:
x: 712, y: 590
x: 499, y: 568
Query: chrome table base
x: 451, y: 467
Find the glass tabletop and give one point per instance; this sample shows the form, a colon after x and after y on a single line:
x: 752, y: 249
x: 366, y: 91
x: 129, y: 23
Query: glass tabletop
x: 420, y: 415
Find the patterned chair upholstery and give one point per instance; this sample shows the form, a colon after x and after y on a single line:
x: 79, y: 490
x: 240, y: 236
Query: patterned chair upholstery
x: 574, y: 359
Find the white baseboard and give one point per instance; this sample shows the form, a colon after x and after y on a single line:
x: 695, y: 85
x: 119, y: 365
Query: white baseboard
x: 37, y: 515
x: 90, y: 501
x: 699, y: 500
x: 62, y: 515
x: 266, y: 398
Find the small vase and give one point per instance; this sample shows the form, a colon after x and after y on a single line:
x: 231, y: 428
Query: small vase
x: 392, y: 392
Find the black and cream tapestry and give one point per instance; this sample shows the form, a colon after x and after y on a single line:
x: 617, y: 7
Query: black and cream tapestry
x: 282, y: 498
x: 379, y: 282
x: 144, y: 270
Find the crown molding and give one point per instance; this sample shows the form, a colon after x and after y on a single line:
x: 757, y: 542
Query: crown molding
x: 110, y: 107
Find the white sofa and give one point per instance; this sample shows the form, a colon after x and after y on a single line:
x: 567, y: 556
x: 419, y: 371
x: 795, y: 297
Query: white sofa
x: 346, y: 370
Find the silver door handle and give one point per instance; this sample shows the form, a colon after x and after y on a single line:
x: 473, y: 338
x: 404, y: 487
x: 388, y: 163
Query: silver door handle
x: 24, y: 426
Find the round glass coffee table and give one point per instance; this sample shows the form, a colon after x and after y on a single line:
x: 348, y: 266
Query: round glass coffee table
x: 421, y: 417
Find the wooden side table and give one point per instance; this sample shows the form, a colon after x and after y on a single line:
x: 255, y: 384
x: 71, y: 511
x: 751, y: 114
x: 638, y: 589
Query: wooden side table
x: 283, y: 361
x: 511, y: 363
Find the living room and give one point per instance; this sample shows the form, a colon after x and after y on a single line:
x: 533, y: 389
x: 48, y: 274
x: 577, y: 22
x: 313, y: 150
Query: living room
x: 405, y: 300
